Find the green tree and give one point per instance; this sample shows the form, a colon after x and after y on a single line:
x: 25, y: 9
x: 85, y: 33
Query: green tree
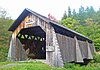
x: 97, y: 17
x: 81, y: 15
x: 89, y: 21
x: 4, y: 34
x: 74, y: 14
x: 3, y: 13
x: 64, y: 15
x: 69, y: 11
x: 70, y: 23
x: 90, y: 12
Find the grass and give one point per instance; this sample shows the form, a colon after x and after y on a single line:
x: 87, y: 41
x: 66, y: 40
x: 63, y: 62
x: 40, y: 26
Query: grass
x: 34, y: 65
x: 91, y: 66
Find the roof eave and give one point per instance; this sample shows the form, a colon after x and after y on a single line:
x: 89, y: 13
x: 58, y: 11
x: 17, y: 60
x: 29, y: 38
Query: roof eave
x: 74, y: 32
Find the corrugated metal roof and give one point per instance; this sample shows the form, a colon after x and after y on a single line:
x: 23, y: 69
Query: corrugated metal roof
x: 28, y: 11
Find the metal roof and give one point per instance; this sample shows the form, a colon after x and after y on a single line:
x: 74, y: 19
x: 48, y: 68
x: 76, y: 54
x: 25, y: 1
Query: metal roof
x: 63, y: 30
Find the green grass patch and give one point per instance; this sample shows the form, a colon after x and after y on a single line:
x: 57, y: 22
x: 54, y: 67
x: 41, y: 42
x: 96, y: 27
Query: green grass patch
x: 35, y: 65
x: 4, y: 63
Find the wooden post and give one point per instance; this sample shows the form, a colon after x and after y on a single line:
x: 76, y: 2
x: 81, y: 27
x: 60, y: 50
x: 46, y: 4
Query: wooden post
x: 89, y: 51
x: 78, y: 57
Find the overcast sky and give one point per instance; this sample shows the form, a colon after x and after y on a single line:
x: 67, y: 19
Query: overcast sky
x: 44, y: 7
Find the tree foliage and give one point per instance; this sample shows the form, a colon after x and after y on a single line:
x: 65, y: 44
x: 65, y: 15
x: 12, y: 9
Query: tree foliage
x: 3, y: 13
x: 4, y: 34
x: 69, y: 11
x: 70, y: 23
x: 86, y: 22
x: 64, y: 15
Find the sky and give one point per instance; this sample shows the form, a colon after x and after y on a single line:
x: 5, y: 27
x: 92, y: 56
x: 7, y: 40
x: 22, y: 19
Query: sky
x: 44, y: 7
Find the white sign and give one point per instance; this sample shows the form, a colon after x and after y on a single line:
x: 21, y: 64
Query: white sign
x: 50, y: 48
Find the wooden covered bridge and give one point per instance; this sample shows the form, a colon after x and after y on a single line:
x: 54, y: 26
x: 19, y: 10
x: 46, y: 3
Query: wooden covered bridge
x: 37, y: 37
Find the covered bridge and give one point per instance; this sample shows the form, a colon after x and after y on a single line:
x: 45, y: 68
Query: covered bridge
x: 37, y: 37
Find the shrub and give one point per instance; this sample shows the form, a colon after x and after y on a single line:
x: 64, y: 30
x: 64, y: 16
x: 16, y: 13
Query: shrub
x: 3, y: 53
x: 96, y: 58
x: 71, y: 65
